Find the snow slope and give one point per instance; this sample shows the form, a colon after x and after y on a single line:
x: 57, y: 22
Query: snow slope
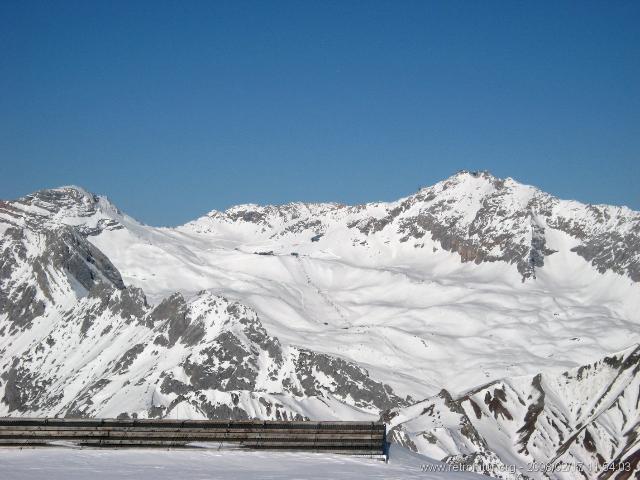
x: 201, y: 464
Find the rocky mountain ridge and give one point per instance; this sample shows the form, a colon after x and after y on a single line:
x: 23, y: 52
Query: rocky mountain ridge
x: 474, y: 214
x: 587, y: 417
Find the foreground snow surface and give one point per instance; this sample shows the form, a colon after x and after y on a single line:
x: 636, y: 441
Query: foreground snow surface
x: 201, y: 464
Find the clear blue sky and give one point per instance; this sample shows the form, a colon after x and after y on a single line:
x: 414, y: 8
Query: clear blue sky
x: 176, y: 108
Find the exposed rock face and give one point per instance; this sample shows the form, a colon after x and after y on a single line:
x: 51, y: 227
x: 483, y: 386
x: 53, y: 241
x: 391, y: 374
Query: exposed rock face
x: 46, y: 259
x: 346, y: 380
x: 73, y: 206
x: 587, y: 416
x: 217, y: 358
x: 613, y: 251
x: 39, y: 267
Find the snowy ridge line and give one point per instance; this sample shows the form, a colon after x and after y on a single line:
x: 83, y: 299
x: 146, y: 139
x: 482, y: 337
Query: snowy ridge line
x: 355, y: 438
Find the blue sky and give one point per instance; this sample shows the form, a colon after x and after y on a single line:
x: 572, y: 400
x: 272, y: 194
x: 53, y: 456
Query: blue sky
x: 176, y: 108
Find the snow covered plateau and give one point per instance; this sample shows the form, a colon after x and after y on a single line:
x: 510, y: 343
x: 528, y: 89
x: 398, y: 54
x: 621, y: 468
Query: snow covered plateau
x: 488, y: 323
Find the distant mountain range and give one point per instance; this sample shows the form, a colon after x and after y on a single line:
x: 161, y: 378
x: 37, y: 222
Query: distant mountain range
x: 489, y: 323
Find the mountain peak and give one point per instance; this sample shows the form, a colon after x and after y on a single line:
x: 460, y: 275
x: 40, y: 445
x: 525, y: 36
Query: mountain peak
x: 60, y: 196
x: 474, y: 173
x: 67, y: 205
x: 483, y: 176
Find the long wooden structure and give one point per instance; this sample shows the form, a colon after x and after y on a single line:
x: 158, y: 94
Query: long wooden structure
x: 353, y: 438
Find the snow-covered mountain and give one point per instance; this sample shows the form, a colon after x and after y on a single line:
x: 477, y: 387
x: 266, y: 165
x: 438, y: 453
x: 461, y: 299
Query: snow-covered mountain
x: 588, y: 416
x: 477, y: 216
x: 331, y: 311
